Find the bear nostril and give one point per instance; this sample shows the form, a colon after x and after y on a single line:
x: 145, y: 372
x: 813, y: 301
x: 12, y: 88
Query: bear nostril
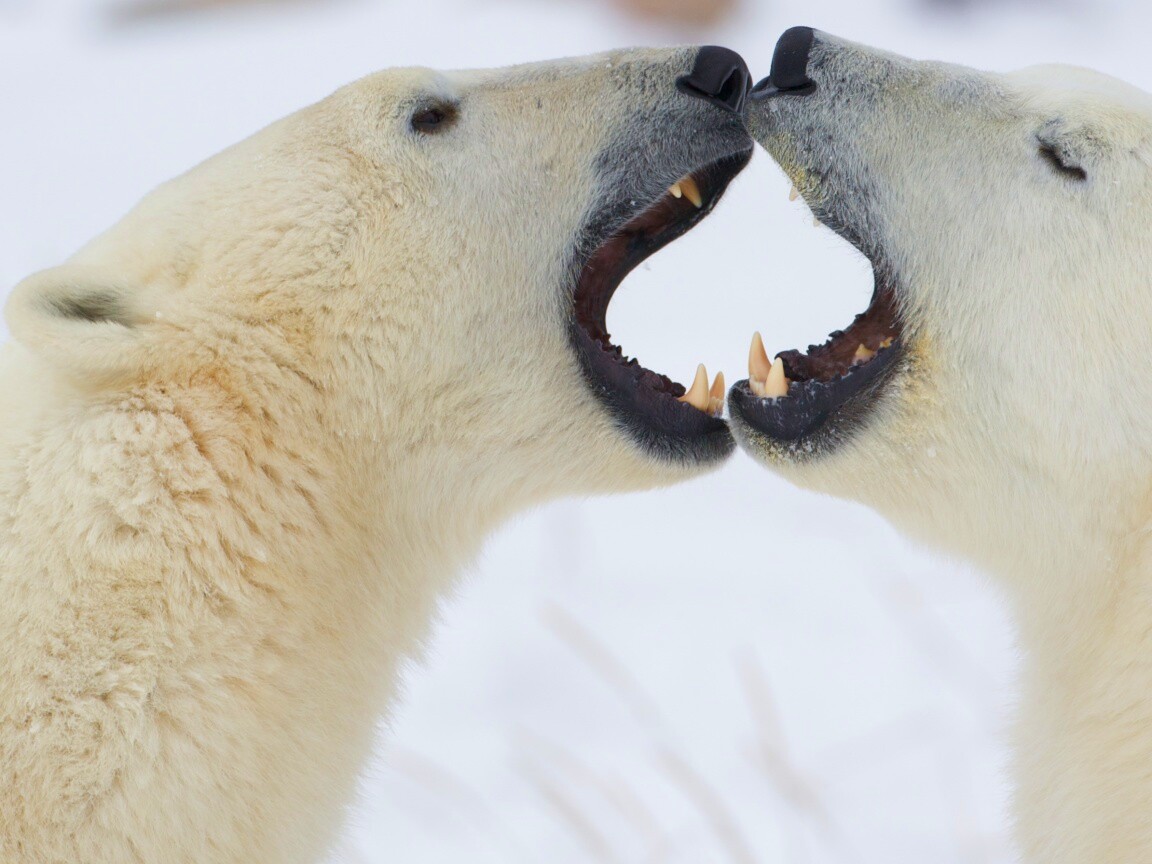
x: 719, y: 76
x: 789, y: 72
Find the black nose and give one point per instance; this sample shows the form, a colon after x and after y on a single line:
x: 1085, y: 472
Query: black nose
x: 720, y: 76
x: 789, y: 65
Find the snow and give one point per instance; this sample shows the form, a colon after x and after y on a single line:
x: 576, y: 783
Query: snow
x: 727, y: 671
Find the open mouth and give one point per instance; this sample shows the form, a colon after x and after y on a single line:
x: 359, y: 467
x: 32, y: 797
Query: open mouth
x: 679, y: 423
x: 805, y: 398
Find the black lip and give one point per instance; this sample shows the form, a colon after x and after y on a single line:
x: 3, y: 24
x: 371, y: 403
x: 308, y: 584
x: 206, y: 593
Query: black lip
x: 833, y: 390
x: 811, y: 407
x: 829, y: 398
x: 643, y: 402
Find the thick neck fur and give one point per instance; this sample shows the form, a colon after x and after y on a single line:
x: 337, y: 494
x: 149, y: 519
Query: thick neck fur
x: 1081, y: 597
x: 1083, y: 753
x: 202, y: 645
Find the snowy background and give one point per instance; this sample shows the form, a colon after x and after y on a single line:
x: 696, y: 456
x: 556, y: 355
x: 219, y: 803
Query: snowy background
x: 729, y: 671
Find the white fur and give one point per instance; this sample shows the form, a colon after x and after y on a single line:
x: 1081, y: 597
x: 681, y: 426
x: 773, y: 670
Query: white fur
x: 1019, y: 431
x: 327, y: 362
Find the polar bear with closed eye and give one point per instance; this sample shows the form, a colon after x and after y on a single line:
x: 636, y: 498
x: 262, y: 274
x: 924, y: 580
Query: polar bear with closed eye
x: 993, y: 399
x: 253, y: 431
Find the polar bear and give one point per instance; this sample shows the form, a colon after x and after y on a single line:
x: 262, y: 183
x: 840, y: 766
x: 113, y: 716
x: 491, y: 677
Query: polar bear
x: 252, y: 432
x: 992, y: 398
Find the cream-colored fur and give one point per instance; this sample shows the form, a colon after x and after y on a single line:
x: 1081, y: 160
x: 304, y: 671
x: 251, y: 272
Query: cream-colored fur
x: 1018, y: 432
x: 252, y: 433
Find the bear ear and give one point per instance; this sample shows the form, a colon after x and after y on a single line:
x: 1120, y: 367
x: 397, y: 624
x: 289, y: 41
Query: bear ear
x: 80, y: 320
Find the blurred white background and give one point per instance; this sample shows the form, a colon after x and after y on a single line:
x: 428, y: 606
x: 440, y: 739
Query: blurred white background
x: 729, y: 671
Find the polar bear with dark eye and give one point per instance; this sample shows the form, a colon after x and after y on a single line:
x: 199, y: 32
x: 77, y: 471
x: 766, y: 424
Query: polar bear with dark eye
x: 994, y: 399
x: 253, y: 431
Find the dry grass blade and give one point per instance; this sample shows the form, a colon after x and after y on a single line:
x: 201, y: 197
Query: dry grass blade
x: 466, y: 801
x: 582, y: 828
x: 710, y: 805
x: 620, y: 680
x: 786, y: 778
x: 908, y: 609
x: 612, y: 789
x: 606, y: 666
x: 788, y: 781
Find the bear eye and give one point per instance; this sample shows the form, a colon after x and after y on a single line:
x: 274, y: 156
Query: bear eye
x: 433, y: 119
x: 1061, y: 162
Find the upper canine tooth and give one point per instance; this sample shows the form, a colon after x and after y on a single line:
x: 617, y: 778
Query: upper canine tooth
x: 794, y: 194
x: 676, y: 191
x: 692, y: 191
x: 758, y: 362
x: 863, y: 354
x: 697, y: 395
x: 777, y: 383
x: 716, y: 396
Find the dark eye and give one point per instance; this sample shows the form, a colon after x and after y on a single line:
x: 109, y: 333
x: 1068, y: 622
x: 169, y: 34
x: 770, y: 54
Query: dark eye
x: 1061, y: 162
x: 431, y: 119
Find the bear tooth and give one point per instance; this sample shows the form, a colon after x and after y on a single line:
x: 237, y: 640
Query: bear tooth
x: 697, y: 395
x: 676, y: 191
x: 716, y: 396
x: 758, y: 362
x: 863, y: 354
x: 777, y: 383
x: 794, y: 194
x: 887, y: 343
x: 692, y: 191
x: 717, y: 390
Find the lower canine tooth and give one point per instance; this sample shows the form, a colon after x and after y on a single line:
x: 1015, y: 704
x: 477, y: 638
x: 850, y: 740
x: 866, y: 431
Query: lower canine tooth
x: 716, y: 396
x: 692, y: 191
x: 777, y: 383
x: 794, y: 194
x: 697, y: 395
x: 717, y: 390
x: 758, y: 362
